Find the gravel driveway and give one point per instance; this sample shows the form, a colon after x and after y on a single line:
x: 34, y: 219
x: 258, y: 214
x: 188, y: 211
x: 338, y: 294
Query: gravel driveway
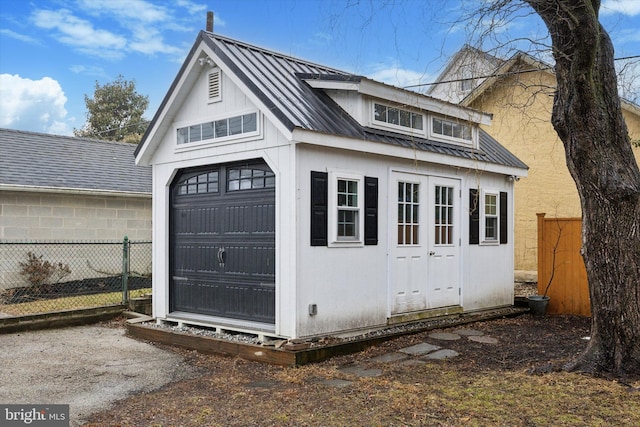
x: 87, y: 367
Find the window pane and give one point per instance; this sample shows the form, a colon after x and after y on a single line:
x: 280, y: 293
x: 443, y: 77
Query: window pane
x: 416, y: 121
x: 347, y: 223
x: 194, y: 133
x: 491, y: 228
x: 234, y: 174
x: 401, y: 191
x: 235, y: 125
x: 221, y: 128
x: 183, y: 135
x: 447, y: 128
x: 393, y: 116
x: 405, y: 118
x: 249, y: 123
x: 437, y: 126
x: 380, y: 113
x: 207, y: 130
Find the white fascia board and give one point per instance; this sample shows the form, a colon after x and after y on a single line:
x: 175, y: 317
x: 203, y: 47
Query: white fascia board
x: 73, y: 191
x: 332, y: 84
x: 417, y: 100
x: 165, y: 117
x: 248, y: 93
x: 382, y: 149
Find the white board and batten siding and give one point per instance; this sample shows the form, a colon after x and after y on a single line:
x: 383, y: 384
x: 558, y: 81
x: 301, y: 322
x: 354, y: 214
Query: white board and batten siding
x: 420, y: 259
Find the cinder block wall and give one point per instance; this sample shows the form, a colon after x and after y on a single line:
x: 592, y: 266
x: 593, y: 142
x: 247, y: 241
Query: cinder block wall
x: 50, y: 217
x: 68, y: 217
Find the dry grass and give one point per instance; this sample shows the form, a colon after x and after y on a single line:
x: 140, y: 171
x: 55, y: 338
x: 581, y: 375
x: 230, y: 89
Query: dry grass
x: 488, y: 385
x: 69, y: 303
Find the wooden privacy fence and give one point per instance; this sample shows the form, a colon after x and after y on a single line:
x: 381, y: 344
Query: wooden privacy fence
x: 560, y: 263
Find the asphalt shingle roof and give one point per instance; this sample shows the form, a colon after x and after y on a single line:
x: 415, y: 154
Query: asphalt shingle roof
x: 43, y: 160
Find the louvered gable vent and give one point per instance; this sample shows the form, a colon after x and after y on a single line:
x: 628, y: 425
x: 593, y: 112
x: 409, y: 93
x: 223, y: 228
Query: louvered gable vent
x: 214, y: 86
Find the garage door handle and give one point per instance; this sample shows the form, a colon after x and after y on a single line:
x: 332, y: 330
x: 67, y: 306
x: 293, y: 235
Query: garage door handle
x: 222, y: 255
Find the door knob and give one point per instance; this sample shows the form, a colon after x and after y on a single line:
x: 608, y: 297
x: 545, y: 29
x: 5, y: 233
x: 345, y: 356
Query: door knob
x: 432, y: 253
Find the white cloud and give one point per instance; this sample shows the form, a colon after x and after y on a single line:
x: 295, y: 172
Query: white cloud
x: 391, y: 73
x: 625, y: 7
x: 18, y: 36
x: 34, y: 105
x: 136, y: 10
x: 80, y: 33
x: 192, y: 7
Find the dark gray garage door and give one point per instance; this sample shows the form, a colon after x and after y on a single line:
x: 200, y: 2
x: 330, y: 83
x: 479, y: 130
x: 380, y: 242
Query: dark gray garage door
x: 223, y: 241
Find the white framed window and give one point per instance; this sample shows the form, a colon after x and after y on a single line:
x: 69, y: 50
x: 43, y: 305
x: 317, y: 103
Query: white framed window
x: 408, y: 213
x: 451, y: 131
x: 346, y: 220
x: 225, y: 128
x: 398, y: 119
x: 489, y: 221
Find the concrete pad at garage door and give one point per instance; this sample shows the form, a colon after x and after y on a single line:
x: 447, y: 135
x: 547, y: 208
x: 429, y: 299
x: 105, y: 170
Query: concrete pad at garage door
x: 87, y: 367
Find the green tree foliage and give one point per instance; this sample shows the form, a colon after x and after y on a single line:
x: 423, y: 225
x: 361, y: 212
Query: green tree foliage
x: 115, y: 112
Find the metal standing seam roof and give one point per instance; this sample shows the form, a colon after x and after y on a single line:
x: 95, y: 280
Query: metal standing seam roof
x: 278, y: 81
x: 41, y: 160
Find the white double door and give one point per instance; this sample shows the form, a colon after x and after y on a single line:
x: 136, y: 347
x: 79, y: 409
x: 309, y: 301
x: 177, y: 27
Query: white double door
x: 424, y: 243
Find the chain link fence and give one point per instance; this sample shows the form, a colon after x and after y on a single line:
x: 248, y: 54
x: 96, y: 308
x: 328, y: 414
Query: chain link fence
x: 41, y: 277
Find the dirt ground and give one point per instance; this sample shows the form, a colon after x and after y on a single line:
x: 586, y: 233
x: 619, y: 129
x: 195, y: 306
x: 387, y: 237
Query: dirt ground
x: 487, y: 384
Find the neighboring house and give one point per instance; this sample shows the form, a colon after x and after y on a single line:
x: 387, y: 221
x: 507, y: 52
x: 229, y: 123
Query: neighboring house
x: 66, y: 189
x: 295, y: 200
x: 518, y: 92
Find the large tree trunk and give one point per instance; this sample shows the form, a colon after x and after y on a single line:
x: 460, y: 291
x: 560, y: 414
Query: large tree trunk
x: 588, y: 118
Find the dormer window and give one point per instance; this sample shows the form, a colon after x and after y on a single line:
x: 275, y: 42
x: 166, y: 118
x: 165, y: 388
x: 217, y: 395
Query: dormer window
x: 398, y: 117
x: 451, y: 131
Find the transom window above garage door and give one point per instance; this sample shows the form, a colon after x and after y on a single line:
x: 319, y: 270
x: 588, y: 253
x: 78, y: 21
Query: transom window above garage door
x: 247, y: 178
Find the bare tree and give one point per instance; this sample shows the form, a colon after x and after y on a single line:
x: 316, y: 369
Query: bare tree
x: 588, y: 118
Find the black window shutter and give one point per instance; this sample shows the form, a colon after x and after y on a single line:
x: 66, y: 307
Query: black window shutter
x: 503, y: 217
x: 370, y: 210
x: 319, y: 202
x: 474, y: 217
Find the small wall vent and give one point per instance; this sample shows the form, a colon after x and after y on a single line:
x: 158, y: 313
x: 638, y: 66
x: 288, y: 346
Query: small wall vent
x: 213, y: 81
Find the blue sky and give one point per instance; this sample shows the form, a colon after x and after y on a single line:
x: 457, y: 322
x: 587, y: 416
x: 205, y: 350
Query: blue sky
x: 52, y: 52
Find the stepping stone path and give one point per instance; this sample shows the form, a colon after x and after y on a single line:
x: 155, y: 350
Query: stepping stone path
x: 360, y: 371
x: 445, y: 336
x: 413, y: 355
x: 419, y: 349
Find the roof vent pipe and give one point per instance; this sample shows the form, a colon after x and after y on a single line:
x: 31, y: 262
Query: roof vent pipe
x: 209, y: 27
